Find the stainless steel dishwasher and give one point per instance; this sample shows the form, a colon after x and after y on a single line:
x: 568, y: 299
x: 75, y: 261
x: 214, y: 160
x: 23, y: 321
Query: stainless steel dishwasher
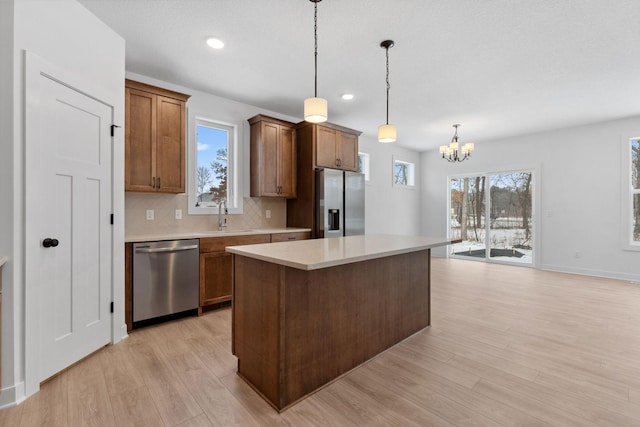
x: 165, y: 279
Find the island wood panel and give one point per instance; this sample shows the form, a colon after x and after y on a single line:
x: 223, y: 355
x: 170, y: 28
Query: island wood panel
x: 296, y: 330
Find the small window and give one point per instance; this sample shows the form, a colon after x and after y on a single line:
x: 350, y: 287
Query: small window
x: 212, y: 171
x: 403, y: 173
x: 363, y: 165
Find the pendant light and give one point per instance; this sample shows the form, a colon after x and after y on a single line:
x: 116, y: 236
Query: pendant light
x: 387, y: 132
x: 452, y: 152
x: 315, y: 109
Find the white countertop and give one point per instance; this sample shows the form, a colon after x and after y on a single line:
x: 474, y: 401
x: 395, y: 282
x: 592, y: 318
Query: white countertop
x: 132, y: 238
x: 321, y: 253
x: 3, y: 259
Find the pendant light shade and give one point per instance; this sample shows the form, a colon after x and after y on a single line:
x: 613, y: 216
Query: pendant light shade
x: 315, y: 109
x: 387, y: 132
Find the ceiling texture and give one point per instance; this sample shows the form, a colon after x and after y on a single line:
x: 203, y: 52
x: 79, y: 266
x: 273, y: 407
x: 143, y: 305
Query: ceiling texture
x: 499, y: 67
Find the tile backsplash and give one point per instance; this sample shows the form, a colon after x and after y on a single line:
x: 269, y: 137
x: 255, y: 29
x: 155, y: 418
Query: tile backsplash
x: 165, y: 205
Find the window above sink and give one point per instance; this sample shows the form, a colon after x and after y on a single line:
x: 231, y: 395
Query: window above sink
x: 213, y: 171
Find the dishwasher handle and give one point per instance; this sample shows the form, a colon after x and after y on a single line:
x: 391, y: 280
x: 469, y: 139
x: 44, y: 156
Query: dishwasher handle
x: 148, y: 250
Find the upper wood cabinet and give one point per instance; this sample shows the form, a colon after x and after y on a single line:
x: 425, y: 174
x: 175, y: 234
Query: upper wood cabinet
x: 335, y: 146
x: 273, y: 158
x: 154, y: 139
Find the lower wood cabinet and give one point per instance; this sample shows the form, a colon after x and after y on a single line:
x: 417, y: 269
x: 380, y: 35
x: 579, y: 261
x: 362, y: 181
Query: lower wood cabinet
x: 287, y: 237
x: 215, y: 278
x: 216, y: 266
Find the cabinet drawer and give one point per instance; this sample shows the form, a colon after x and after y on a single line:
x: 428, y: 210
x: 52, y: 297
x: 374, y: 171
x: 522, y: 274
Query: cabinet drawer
x: 286, y: 237
x: 217, y: 244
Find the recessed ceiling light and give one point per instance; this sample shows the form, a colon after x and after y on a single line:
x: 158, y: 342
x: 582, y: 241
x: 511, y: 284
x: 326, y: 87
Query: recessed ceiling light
x: 347, y: 96
x: 215, y: 43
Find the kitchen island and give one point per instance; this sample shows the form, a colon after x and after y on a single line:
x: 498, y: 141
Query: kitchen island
x: 307, y: 312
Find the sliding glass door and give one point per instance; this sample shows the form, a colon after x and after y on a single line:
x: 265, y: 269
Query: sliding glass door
x: 493, y: 216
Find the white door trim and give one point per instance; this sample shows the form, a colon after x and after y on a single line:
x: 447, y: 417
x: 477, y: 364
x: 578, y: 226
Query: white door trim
x: 34, y: 68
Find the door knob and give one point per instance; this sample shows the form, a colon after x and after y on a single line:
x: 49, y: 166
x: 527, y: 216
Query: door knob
x: 50, y: 243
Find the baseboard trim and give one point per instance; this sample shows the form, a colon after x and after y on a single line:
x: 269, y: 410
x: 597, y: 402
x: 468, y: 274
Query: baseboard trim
x: 11, y: 396
x: 596, y: 273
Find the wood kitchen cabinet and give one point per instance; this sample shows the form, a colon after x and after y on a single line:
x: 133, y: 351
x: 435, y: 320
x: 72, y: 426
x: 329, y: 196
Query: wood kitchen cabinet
x: 273, y: 157
x: 216, y: 265
x: 319, y: 145
x: 155, y: 128
x: 288, y: 237
x: 335, y: 147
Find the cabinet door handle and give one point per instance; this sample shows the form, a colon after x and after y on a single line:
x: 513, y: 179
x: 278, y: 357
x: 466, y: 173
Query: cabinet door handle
x: 158, y: 183
x: 153, y: 182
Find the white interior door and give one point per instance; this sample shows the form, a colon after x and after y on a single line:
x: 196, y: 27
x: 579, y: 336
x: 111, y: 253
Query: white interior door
x: 74, y: 146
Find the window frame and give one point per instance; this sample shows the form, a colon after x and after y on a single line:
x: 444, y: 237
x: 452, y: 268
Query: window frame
x: 411, y: 179
x: 535, y: 212
x: 234, y: 174
x: 628, y: 194
x: 365, y: 158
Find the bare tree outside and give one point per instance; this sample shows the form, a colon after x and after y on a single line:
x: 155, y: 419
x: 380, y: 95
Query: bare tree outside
x: 508, y: 230
x: 203, y: 180
x: 219, y: 168
x: 212, y: 181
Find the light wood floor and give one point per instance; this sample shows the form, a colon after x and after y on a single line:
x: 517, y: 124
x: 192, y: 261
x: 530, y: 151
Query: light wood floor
x: 508, y: 346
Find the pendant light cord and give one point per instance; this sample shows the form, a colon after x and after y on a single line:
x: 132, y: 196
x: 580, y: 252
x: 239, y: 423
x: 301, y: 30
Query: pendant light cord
x: 388, y: 85
x: 315, y: 48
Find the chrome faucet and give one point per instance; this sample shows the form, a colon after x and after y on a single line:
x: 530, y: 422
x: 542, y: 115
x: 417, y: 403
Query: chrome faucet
x: 222, y: 224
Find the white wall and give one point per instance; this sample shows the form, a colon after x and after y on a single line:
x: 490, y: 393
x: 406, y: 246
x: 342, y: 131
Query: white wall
x: 580, y: 194
x: 7, y: 234
x: 65, y: 34
x: 389, y: 209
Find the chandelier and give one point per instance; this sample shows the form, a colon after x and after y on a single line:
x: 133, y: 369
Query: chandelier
x: 452, y: 153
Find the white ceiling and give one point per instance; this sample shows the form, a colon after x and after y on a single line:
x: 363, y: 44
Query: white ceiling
x: 499, y: 67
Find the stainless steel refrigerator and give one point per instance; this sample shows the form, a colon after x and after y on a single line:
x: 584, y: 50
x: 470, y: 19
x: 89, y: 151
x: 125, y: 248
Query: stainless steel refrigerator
x: 339, y: 203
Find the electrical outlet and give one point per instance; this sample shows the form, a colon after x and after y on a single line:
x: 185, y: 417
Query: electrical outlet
x: 578, y: 255
x: 267, y: 213
x: 178, y: 213
x: 149, y: 214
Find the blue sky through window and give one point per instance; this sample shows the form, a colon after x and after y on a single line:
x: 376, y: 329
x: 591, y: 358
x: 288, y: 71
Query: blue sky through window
x: 210, y: 140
